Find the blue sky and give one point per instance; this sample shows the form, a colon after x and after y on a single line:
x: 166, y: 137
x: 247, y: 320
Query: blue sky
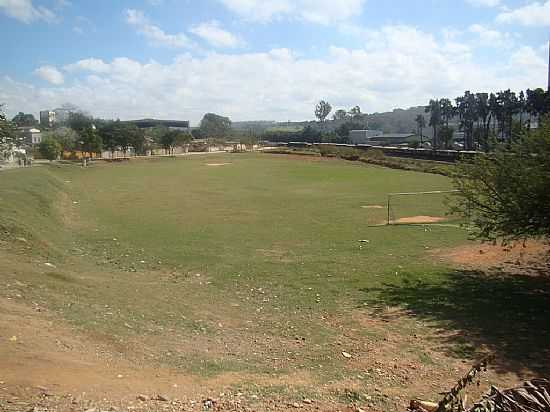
x: 270, y: 59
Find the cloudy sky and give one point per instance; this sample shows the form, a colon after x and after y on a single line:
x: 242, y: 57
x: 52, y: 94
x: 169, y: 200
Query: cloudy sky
x: 263, y: 59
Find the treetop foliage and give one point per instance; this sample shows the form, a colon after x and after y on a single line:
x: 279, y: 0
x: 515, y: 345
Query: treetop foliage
x: 506, y: 194
x: 215, y: 126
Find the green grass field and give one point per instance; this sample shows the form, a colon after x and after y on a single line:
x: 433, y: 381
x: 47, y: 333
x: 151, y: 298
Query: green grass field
x: 252, y: 267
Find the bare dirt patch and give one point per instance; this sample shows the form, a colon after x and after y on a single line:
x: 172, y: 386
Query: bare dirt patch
x: 420, y: 219
x: 487, y: 255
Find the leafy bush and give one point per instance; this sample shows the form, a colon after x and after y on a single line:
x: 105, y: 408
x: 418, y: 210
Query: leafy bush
x: 50, y: 149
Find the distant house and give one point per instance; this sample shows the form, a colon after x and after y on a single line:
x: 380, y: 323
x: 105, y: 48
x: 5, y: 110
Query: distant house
x: 363, y: 136
x: 30, y: 135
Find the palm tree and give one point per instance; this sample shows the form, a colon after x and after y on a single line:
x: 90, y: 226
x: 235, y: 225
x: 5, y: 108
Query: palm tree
x: 434, y: 108
x: 448, y: 111
x: 420, y: 124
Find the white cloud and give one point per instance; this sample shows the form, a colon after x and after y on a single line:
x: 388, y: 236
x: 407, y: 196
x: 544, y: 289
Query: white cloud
x: 490, y: 37
x: 50, y: 74
x: 25, y: 11
x: 399, y: 66
x: 215, y: 35
x: 526, y: 58
x: 484, y: 3
x: 534, y: 14
x: 319, y: 11
x: 154, y: 33
x: 92, y: 65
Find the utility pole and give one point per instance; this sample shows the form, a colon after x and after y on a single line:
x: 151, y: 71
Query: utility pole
x: 548, y: 66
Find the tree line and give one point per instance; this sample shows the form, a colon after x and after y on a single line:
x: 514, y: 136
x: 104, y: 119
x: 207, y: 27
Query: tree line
x: 486, y: 119
x: 88, y: 135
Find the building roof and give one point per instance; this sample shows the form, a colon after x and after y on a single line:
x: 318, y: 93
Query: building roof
x: 147, y: 123
x: 395, y: 136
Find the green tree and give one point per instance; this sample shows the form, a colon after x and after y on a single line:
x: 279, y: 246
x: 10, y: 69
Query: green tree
x: 90, y: 141
x: 537, y: 103
x: 322, y: 110
x: 448, y: 111
x: 136, y: 139
x: 340, y: 114
x: 420, y: 125
x: 79, y: 121
x: 24, y: 120
x: 446, y: 134
x: 355, y: 113
x: 214, y: 126
x: 506, y: 193
x: 7, y: 134
x: 109, y: 136
x: 50, y: 149
x: 174, y: 138
x: 468, y: 114
x: 198, y: 134
x: 343, y: 131
x: 434, y: 108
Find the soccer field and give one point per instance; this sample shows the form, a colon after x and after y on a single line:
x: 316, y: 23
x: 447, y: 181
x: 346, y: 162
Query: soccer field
x: 251, y: 272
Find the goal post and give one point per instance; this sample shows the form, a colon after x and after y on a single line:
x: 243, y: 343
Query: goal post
x: 420, y: 208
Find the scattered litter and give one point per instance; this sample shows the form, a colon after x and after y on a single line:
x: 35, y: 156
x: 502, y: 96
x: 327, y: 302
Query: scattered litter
x: 75, y: 202
x: 50, y: 265
x: 13, y: 339
x: 143, y: 398
x: 346, y: 355
x: 372, y: 207
x: 364, y: 241
x: 21, y: 239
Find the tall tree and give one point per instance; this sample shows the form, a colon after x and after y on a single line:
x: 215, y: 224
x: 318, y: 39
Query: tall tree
x: 7, y: 134
x: 509, y: 105
x: 537, y: 103
x: 79, y: 121
x: 434, y: 108
x: 355, y: 113
x: 447, y: 111
x: 215, y: 126
x: 90, y: 141
x: 340, y: 114
x: 420, y: 125
x: 322, y: 110
x: 468, y: 114
x: 484, y: 116
x: 506, y: 194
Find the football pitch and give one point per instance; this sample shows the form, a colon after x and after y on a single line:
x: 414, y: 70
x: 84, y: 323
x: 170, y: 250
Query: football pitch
x: 241, y: 273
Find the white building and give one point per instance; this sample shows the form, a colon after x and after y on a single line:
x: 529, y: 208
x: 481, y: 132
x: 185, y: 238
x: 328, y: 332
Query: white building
x: 62, y: 115
x: 47, y: 118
